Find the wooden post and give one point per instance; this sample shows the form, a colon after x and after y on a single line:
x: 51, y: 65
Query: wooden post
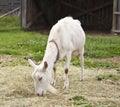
x: 24, y: 14
x: 118, y: 16
x: 114, y: 16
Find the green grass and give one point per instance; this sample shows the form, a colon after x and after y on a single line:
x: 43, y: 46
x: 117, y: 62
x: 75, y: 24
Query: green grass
x: 15, y: 42
x: 23, y: 44
x: 9, y: 23
x: 80, y: 101
x: 102, y: 47
x: 95, y: 64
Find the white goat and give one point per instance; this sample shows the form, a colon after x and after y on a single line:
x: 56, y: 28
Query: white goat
x: 66, y: 38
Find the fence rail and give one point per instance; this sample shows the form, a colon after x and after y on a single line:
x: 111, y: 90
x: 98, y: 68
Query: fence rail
x: 8, y: 5
x: 15, y: 11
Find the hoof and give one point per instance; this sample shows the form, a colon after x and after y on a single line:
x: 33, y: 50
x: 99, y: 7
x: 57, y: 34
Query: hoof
x: 65, y: 87
x: 53, y: 82
x: 81, y: 79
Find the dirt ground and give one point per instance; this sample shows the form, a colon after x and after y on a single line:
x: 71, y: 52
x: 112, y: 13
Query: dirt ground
x: 17, y: 90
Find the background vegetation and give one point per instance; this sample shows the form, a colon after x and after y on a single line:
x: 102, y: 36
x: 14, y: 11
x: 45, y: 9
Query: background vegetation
x: 16, y: 42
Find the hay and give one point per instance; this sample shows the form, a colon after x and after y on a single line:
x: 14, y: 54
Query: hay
x: 17, y: 90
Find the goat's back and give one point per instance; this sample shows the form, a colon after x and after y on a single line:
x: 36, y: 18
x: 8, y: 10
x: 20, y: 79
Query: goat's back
x: 68, y: 34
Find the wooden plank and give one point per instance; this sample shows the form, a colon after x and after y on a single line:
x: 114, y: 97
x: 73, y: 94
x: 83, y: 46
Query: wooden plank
x: 4, y: 2
x: 7, y: 5
x: 10, y: 12
x: 116, y: 31
x: 114, y: 16
x: 116, y: 13
x: 23, y: 13
x: 118, y: 16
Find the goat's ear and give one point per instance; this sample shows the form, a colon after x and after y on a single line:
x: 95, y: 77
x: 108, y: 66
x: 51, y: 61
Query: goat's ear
x: 45, y: 66
x: 32, y: 63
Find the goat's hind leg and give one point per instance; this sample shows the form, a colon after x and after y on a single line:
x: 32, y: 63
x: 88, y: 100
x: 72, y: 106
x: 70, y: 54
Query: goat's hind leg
x: 82, y: 65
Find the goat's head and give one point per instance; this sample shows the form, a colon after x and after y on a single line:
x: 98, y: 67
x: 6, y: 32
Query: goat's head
x: 41, y: 78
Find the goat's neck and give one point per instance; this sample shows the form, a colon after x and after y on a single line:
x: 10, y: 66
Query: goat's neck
x: 50, y: 55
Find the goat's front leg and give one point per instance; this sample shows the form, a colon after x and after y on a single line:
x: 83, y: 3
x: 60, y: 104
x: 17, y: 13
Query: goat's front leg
x: 53, y: 82
x: 67, y: 64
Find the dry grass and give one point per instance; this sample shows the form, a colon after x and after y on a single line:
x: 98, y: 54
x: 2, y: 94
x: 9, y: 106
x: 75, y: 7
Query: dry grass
x: 16, y: 89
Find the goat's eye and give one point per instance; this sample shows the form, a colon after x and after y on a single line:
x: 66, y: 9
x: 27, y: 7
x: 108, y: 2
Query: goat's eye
x: 40, y: 78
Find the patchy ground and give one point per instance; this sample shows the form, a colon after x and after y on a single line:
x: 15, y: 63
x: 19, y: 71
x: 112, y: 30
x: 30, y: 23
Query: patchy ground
x: 115, y: 60
x: 16, y: 88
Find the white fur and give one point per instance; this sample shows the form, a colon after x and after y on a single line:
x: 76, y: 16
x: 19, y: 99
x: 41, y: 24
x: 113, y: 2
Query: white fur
x: 70, y: 38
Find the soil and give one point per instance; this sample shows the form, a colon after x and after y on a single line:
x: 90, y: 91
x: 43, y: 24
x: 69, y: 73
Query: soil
x: 115, y: 60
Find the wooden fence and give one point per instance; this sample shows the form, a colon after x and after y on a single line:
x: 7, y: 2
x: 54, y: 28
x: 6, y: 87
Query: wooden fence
x: 8, y: 5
